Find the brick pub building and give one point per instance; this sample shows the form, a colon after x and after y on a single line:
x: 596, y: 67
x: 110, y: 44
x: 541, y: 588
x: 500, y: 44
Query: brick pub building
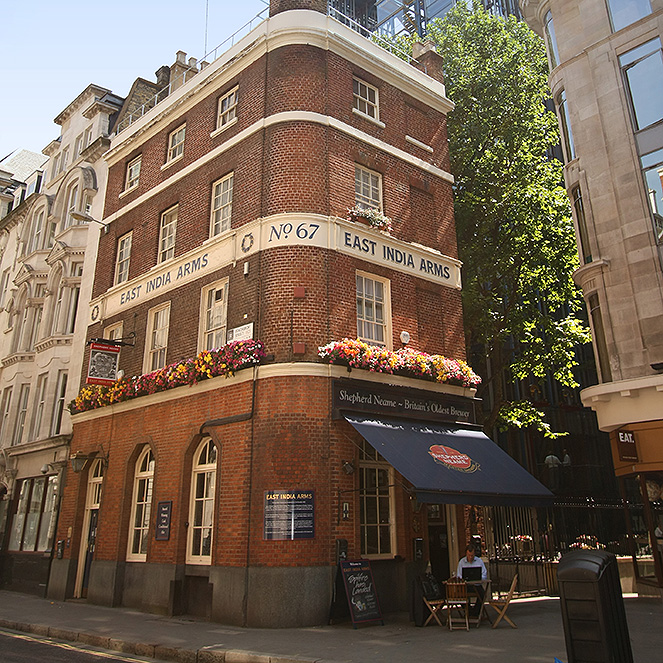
x: 227, y: 213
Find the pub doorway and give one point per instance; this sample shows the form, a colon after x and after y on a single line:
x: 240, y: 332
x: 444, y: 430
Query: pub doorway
x: 90, y: 524
x: 438, y: 542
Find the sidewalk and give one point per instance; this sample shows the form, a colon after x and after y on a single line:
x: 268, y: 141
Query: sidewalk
x: 538, y: 638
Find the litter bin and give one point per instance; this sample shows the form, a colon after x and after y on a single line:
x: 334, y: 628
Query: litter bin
x: 593, y: 613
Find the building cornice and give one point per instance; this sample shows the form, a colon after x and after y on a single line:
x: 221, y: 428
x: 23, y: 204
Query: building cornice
x: 279, y: 231
x: 267, y: 372
x: 626, y: 402
x: 91, y: 89
x: 295, y: 27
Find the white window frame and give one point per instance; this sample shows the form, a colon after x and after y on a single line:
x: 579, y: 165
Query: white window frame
x: 4, y: 285
x: 201, y: 503
x: 368, y: 188
x: 176, y: 144
x: 367, y: 300
x: 133, y: 173
x: 365, y: 99
x: 5, y: 409
x: 36, y: 237
x: 114, y: 332
x: 36, y: 317
x: 123, y: 258
x: 222, y: 205
x: 71, y: 204
x: 59, y: 402
x: 371, y: 463
x: 39, y: 405
x: 78, y: 145
x: 64, y: 161
x: 226, y: 110
x: 87, y: 137
x: 72, y: 308
x: 56, y: 326
x: 168, y: 234
x: 156, y: 338
x: 141, y: 507
x: 213, y: 315
x: 21, y: 413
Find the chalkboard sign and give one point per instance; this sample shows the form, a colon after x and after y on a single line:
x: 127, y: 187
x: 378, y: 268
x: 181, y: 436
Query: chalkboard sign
x: 360, y: 590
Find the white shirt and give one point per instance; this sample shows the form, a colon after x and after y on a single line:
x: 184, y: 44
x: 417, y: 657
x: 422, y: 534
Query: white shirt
x: 476, y: 562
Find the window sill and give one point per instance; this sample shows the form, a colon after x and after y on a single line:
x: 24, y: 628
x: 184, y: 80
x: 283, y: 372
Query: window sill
x: 126, y: 192
x: 222, y: 128
x: 418, y: 143
x: 168, y: 164
x: 369, y: 118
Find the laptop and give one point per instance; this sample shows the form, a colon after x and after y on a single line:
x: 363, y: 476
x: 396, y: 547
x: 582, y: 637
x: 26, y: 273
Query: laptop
x: 471, y: 573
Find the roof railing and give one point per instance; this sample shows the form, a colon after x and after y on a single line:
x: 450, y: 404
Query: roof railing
x: 212, y: 55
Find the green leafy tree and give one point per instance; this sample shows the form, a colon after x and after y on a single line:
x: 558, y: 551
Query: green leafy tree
x: 515, y: 233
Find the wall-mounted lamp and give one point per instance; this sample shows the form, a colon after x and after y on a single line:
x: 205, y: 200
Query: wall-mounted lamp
x: 348, y: 466
x: 405, y: 337
x: 79, y: 460
x: 83, y: 217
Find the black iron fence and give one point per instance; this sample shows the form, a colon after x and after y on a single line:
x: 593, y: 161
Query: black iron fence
x: 529, y: 541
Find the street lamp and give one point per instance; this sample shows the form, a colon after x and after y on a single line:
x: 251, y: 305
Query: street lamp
x: 84, y: 217
x: 79, y: 460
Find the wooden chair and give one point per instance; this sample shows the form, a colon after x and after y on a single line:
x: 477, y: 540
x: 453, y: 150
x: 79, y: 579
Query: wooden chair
x: 433, y: 597
x: 457, y: 601
x: 500, y: 605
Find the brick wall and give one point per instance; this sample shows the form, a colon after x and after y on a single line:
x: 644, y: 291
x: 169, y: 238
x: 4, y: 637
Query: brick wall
x: 290, y: 443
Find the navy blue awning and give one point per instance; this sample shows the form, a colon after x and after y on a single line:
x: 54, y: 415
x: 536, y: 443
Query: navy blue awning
x: 449, y: 464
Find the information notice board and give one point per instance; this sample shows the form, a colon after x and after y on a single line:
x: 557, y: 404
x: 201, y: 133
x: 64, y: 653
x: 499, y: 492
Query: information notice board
x: 289, y: 515
x: 360, y: 591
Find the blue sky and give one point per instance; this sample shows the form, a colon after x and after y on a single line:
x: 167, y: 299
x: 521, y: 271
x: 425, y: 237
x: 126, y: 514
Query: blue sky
x: 51, y: 51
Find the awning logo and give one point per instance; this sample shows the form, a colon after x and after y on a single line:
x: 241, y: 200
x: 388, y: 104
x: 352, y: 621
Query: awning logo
x: 453, y: 459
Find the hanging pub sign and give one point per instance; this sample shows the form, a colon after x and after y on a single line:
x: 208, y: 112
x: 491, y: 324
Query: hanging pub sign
x: 104, y: 359
x: 289, y: 515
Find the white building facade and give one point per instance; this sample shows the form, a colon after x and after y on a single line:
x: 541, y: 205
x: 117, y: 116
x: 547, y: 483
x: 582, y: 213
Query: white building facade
x: 606, y: 78
x: 46, y: 272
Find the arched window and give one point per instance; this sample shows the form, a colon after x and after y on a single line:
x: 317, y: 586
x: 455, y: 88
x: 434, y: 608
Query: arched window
x: 141, y: 507
x: 201, y: 516
x: 95, y: 483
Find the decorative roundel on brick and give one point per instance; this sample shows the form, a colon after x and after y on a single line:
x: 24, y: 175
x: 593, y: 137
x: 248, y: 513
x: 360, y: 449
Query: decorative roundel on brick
x: 247, y: 242
x: 95, y: 313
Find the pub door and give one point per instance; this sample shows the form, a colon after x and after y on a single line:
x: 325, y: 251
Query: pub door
x: 90, y: 524
x: 438, y: 542
x: 89, y: 550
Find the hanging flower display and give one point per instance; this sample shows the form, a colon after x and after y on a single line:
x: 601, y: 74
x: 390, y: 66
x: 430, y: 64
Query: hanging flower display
x: 408, y: 362
x: 208, y: 364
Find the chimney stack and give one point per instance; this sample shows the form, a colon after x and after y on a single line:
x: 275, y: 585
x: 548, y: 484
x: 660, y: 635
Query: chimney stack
x: 428, y: 60
x: 278, y: 6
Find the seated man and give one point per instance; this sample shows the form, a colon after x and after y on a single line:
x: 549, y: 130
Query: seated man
x: 472, y: 561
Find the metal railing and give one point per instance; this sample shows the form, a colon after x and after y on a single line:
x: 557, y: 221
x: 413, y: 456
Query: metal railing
x: 210, y: 56
x: 383, y: 41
